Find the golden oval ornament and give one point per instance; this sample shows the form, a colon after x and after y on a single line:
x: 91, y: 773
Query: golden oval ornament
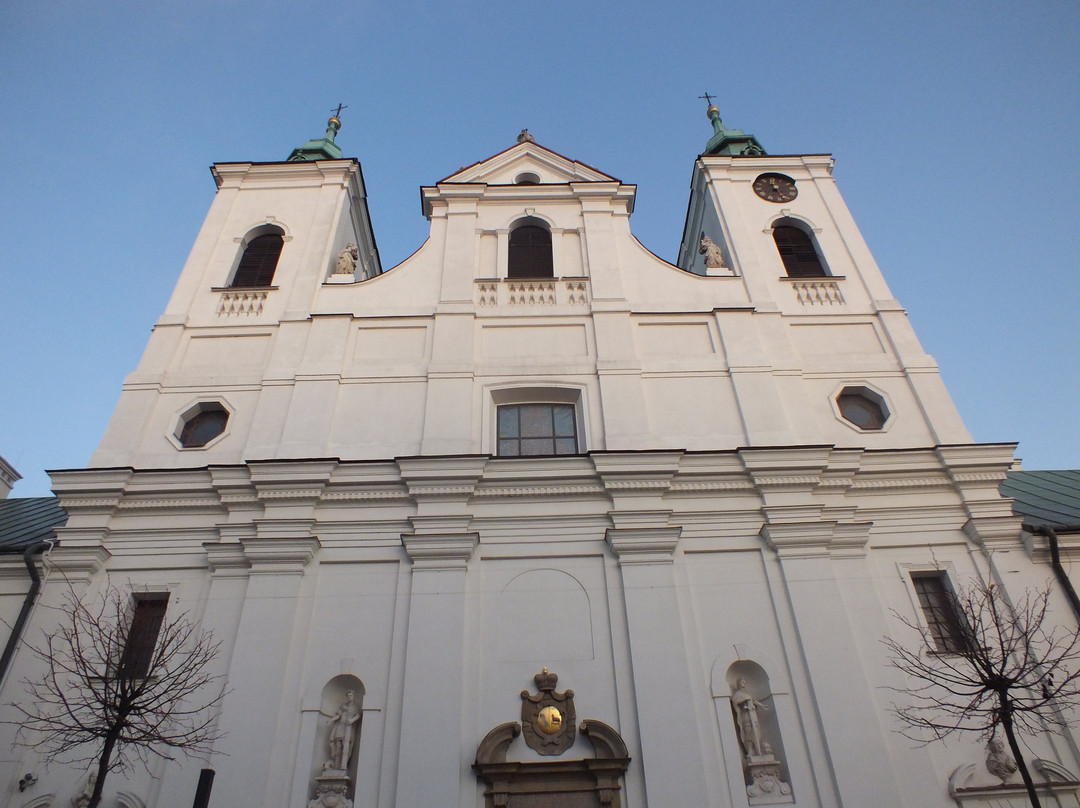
x: 549, y: 720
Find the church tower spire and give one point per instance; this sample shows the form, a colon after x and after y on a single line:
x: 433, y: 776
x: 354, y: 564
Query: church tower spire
x: 732, y: 142
x: 323, y: 148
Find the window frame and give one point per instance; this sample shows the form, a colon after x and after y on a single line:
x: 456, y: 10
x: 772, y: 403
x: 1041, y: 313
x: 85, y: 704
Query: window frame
x: 868, y: 391
x: 193, y: 409
x: 257, y: 272
x: 534, y: 394
x: 137, y: 657
x: 788, y: 223
x: 554, y: 436
x: 539, y: 226
x: 945, y: 573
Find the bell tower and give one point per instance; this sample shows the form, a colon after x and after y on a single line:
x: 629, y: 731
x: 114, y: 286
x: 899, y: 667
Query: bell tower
x: 825, y: 313
x: 276, y: 233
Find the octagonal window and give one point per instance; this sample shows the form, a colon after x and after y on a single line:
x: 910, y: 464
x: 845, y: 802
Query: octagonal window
x: 201, y: 424
x: 863, y: 407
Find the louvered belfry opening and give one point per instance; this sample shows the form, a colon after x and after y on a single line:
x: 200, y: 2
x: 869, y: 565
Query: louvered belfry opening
x: 797, y: 252
x: 259, y: 262
x: 530, y: 253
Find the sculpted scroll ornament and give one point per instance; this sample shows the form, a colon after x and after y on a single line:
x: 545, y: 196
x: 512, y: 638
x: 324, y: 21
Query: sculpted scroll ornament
x: 547, y: 717
x: 330, y: 795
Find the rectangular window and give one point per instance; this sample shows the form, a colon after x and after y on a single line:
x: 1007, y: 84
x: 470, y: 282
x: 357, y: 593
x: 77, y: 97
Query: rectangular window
x: 946, y: 624
x: 147, y: 616
x: 537, y: 430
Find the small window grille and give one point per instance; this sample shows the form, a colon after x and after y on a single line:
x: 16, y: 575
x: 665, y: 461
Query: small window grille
x: 797, y: 252
x: 259, y: 262
x: 947, y: 626
x: 537, y: 430
x: 142, y: 637
x: 530, y: 253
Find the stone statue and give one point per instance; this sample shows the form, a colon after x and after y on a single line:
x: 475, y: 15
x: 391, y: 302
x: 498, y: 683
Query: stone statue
x: 82, y: 799
x: 714, y: 258
x: 346, y: 262
x: 746, y: 711
x: 343, y: 732
x: 999, y: 762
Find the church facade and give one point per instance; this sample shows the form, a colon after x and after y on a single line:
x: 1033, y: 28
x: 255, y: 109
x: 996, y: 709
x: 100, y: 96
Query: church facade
x: 537, y: 518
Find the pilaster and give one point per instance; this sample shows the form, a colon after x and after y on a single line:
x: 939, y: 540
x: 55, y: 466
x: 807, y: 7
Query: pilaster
x: 264, y: 651
x: 807, y: 549
x: 671, y: 740
x: 429, y: 764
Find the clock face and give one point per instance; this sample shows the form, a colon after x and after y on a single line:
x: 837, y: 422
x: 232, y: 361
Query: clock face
x: 775, y: 188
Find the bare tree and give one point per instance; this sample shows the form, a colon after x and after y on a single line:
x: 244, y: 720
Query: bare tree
x: 1007, y: 665
x: 120, y: 687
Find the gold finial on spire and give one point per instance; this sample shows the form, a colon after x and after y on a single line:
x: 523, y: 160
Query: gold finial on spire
x: 335, y: 118
x: 712, y: 107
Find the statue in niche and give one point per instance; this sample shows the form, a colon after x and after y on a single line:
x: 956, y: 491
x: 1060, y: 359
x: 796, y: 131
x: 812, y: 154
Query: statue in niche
x: 759, y: 735
x: 746, y: 710
x: 343, y: 732
x: 347, y: 260
x: 714, y: 258
x: 999, y: 762
x: 82, y: 799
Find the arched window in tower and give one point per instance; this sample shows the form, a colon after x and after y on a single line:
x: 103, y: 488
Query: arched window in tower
x: 259, y: 261
x: 530, y: 253
x: 798, y: 252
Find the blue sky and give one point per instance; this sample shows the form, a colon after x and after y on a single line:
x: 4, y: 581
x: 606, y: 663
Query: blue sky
x: 953, y: 127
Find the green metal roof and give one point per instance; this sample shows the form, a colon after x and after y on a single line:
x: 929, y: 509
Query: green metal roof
x: 733, y: 142
x: 323, y: 148
x: 1050, y: 498
x: 24, y: 522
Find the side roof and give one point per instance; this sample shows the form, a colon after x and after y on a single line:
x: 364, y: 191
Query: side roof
x: 1050, y: 498
x: 24, y: 522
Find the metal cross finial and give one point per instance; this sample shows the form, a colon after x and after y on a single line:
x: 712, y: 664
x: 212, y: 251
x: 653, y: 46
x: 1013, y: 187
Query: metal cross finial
x: 337, y: 113
x: 708, y: 99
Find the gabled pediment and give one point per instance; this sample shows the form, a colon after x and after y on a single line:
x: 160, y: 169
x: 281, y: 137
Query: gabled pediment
x: 528, y: 158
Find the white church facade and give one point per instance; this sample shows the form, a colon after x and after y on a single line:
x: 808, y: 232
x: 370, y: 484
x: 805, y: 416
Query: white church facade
x: 419, y: 506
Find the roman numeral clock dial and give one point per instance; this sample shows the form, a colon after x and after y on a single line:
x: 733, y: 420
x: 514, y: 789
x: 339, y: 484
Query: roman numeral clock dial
x: 775, y: 188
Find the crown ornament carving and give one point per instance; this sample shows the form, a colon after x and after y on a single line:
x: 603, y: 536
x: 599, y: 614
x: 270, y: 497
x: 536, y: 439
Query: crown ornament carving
x: 548, y: 718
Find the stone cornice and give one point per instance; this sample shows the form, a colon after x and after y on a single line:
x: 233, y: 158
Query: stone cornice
x: 294, y: 174
x: 444, y: 551
x: 281, y: 556
x: 78, y: 563
x: 818, y: 539
x: 226, y: 558
x: 270, y: 499
x: 643, y: 545
x: 441, y: 477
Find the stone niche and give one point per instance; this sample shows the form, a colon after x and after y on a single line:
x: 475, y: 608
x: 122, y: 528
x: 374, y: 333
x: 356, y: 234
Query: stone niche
x: 763, y: 760
x: 337, y: 741
x: 594, y: 782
